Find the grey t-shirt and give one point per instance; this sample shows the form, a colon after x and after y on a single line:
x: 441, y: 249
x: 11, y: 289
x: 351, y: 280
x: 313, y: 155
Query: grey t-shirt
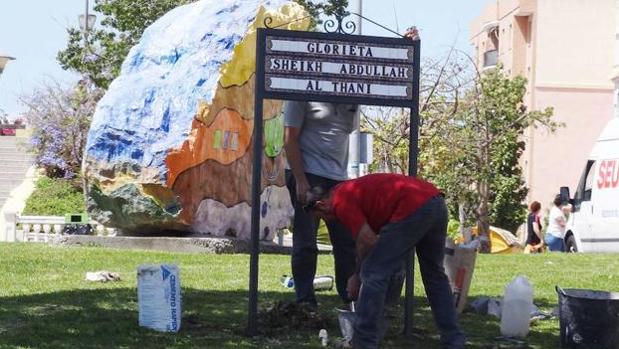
x: 323, y: 139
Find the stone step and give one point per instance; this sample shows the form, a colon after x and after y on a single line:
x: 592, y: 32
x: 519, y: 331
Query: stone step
x: 12, y: 148
x: 16, y: 156
x: 16, y: 162
x: 6, y: 175
x: 11, y: 140
x: 20, y: 172
x: 4, y: 186
x: 18, y: 146
x: 13, y: 170
x: 12, y: 182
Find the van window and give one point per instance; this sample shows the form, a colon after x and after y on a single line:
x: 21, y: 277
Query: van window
x: 589, y: 182
x: 585, y: 185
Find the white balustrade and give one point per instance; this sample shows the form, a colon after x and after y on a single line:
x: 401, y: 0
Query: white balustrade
x: 41, y: 228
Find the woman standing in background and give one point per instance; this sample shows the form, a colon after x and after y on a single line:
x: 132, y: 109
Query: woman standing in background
x: 534, y: 229
x: 556, y: 227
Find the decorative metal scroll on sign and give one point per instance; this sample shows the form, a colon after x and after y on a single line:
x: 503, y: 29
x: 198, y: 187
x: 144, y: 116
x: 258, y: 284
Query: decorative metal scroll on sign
x: 341, y: 27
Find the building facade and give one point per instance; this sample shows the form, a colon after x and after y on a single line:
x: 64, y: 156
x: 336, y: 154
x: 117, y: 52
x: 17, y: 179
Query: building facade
x: 565, y: 49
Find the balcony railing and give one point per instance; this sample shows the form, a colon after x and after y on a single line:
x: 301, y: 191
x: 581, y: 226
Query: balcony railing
x: 491, y: 58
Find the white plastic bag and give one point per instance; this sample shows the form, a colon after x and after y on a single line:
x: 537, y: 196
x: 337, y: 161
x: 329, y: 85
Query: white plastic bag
x: 159, y: 297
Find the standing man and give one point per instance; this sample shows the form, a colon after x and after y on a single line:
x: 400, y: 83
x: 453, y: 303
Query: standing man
x: 388, y: 215
x: 316, y: 144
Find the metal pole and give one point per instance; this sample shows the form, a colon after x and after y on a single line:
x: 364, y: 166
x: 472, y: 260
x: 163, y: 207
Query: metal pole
x: 86, y: 26
x: 360, y: 21
x: 252, y: 322
x: 413, y: 151
x: 354, y: 143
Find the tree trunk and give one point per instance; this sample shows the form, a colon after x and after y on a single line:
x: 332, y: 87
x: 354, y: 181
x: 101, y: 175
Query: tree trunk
x: 483, y: 219
x: 464, y: 231
x: 483, y: 222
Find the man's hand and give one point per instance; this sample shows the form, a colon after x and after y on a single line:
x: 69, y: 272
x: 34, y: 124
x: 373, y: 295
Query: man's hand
x: 353, y: 286
x: 302, y: 188
x: 412, y: 33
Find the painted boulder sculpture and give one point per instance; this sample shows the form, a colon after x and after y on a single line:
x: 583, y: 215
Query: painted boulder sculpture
x: 170, y: 146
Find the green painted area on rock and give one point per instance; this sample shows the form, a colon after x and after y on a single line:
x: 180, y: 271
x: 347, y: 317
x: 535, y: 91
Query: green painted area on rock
x: 274, y: 136
x: 127, y: 208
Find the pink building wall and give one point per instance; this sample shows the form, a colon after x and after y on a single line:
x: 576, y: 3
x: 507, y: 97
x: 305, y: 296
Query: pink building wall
x: 565, y: 48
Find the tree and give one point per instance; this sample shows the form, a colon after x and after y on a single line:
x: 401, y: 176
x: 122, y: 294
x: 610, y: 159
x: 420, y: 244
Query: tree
x: 494, y: 118
x: 122, y: 26
x: 442, y: 156
x: 470, y: 140
x: 60, y: 118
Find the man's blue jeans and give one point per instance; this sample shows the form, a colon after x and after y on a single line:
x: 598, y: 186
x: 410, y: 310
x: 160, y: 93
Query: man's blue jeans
x: 305, y: 252
x: 426, y: 231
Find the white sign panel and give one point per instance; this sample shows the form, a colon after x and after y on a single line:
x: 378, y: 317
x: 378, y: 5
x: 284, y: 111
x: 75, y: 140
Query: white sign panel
x: 334, y: 87
x: 341, y: 49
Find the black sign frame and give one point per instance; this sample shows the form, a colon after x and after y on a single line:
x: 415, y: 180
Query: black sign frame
x: 268, y: 33
x: 262, y: 93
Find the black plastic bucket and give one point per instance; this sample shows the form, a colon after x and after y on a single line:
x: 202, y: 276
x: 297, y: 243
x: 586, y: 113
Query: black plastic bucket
x: 588, y: 319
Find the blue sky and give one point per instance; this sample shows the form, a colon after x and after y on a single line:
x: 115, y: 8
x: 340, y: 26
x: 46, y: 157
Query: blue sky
x: 34, y: 31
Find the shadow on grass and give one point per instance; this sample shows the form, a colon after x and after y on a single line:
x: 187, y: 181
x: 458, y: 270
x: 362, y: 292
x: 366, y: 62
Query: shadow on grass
x: 108, y: 318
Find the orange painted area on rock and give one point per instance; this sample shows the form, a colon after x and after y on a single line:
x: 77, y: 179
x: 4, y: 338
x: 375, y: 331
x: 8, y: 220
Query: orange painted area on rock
x: 225, y: 141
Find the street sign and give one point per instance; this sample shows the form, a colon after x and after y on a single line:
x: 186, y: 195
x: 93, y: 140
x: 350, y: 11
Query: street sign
x: 336, y: 68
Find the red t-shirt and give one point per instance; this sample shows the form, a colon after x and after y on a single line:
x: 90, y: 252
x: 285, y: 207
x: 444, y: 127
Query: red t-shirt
x: 379, y: 199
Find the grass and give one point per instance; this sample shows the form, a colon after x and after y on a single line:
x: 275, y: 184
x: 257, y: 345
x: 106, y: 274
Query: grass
x: 46, y: 303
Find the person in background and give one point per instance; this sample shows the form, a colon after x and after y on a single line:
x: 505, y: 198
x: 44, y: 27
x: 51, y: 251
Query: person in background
x: 556, y: 227
x: 388, y: 215
x: 534, y: 229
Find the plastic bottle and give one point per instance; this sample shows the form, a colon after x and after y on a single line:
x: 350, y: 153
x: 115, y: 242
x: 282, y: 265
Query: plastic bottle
x: 287, y: 281
x: 324, y: 337
x: 516, y: 308
x: 323, y: 283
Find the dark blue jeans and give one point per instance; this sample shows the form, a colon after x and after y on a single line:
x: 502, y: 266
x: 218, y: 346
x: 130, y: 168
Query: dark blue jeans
x: 305, y: 252
x: 426, y: 231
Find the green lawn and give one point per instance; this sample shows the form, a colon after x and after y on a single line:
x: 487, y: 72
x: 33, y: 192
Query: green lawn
x: 46, y: 303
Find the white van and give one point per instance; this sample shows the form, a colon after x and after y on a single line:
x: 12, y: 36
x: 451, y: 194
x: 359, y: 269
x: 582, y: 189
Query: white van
x: 593, y: 225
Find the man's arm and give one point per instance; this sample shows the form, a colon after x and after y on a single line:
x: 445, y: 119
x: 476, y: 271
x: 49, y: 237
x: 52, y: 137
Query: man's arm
x: 365, y: 243
x: 295, y: 161
x: 366, y: 239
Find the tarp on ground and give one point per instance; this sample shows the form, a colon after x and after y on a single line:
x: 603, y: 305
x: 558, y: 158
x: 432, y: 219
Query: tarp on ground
x: 502, y: 241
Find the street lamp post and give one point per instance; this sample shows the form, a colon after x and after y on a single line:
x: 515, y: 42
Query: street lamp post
x: 87, y: 21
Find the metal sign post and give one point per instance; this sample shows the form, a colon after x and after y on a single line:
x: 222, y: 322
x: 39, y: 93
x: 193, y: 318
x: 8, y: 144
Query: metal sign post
x: 335, y: 68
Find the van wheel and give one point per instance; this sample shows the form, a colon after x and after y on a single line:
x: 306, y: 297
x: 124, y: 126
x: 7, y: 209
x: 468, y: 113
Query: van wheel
x: 570, y: 244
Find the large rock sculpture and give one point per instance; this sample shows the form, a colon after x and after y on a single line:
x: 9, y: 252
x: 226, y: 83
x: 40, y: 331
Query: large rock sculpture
x: 170, y: 146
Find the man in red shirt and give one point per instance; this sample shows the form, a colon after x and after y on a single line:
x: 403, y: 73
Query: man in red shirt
x: 388, y: 215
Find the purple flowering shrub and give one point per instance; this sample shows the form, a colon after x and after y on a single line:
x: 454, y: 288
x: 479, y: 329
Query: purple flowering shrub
x: 59, y: 118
